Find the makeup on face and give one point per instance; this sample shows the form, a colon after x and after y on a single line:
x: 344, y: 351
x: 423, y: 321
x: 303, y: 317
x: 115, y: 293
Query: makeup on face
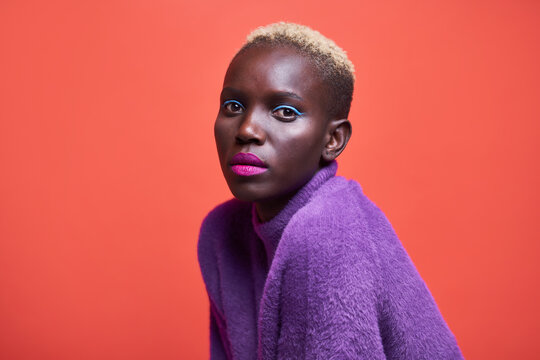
x: 283, y: 112
x: 247, y: 164
x: 271, y: 125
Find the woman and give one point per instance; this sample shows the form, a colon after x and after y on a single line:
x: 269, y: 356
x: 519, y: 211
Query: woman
x: 301, y: 265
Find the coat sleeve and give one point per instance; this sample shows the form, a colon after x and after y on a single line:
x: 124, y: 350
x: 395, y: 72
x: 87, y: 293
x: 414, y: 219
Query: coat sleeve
x: 211, y: 229
x: 217, y: 346
x: 411, y: 325
x: 364, y: 297
x: 342, y: 297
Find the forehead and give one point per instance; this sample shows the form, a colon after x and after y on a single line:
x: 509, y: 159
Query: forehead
x: 280, y: 69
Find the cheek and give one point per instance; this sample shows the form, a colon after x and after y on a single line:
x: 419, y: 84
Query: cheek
x: 302, y: 145
x: 222, y: 134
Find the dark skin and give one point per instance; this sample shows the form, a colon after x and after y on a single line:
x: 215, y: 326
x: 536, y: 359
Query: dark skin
x: 264, y: 91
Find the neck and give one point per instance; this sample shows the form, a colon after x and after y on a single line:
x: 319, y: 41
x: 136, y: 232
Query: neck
x: 268, y: 209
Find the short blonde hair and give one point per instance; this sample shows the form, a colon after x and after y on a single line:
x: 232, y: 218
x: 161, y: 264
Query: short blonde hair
x: 332, y: 62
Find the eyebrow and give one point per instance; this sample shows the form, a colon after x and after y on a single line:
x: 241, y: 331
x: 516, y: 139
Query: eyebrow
x: 281, y: 94
x: 288, y: 94
x: 229, y: 89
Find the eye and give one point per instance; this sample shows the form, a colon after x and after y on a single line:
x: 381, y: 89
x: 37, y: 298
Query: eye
x: 286, y: 112
x: 233, y: 106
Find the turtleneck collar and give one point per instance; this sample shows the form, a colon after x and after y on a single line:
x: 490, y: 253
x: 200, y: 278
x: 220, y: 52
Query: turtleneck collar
x: 270, y: 231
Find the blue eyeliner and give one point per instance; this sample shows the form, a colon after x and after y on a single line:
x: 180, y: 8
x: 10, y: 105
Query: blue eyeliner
x: 298, y: 113
x: 233, y: 101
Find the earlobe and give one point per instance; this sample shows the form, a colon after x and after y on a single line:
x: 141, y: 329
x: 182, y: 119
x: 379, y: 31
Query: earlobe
x: 338, y: 134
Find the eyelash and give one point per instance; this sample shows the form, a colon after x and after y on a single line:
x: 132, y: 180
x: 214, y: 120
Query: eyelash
x: 287, y: 107
x: 292, y: 108
x: 225, y: 103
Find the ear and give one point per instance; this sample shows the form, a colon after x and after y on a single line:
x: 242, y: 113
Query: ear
x: 338, y: 133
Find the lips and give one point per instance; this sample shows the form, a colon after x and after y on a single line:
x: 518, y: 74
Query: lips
x: 247, y: 164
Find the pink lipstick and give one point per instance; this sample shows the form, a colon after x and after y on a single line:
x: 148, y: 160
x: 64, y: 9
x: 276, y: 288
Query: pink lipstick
x: 247, y: 164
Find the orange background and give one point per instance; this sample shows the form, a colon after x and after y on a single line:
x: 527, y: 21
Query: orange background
x: 108, y: 163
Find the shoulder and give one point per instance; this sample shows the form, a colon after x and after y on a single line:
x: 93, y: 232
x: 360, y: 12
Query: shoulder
x: 345, y: 229
x: 220, y: 226
x: 342, y: 230
x: 333, y: 232
x: 225, y: 220
x: 226, y: 214
x: 339, y: 214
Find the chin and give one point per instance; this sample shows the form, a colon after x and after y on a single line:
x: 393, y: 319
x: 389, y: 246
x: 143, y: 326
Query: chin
x: 245, y: 188
x: 245, y: 194
x: 251, y: 191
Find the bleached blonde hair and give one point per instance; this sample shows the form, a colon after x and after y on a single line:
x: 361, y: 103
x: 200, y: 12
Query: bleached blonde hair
x: 331, y: 61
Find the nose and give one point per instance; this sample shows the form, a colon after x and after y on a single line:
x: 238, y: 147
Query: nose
x: 250, y: 129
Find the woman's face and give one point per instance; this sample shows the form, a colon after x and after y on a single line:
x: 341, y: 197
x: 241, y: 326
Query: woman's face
x: 273, y: 106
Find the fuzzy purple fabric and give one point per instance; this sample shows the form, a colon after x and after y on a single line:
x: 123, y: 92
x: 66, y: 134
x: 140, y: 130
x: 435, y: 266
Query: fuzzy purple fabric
x: 327, y: 278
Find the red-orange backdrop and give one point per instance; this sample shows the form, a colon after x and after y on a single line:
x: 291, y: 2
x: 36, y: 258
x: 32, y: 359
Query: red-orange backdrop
x: 108, y: 165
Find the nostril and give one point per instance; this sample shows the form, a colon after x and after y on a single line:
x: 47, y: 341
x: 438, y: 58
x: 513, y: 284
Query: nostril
x: 241, y: 139
x: 249, y: 132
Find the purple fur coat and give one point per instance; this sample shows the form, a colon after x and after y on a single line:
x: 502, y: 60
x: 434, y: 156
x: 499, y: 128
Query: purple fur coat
x: 327, y: 278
